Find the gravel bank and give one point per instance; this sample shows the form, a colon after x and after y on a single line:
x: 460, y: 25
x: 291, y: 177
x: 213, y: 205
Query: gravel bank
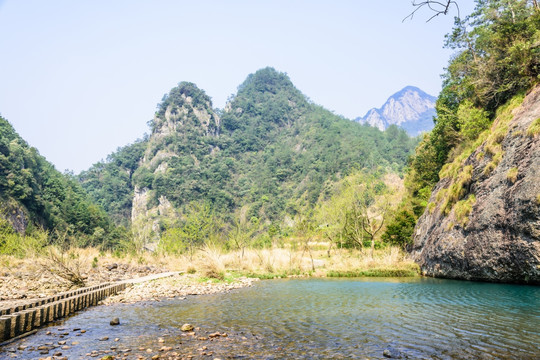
x: 176, y: 286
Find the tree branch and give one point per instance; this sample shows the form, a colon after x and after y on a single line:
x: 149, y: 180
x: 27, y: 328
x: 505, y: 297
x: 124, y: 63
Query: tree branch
x: 438, y: 7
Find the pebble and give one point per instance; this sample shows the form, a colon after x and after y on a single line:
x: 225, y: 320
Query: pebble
x: 391, y: 354
x: 115, y: 321
x: 105, y: 338
x: 187, y: 327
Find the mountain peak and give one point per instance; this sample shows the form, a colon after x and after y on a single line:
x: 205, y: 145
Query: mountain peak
x: 267, y: 79
x: 410, y: 108
x: 412, y: 89
x: 185, y: 91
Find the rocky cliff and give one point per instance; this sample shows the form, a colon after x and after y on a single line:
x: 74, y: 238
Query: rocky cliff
x: 410, y: 108
x: 483, y: 218
x: 184, y: 118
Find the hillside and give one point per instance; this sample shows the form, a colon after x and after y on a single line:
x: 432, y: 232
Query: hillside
x: 34, y: 196
x: 473, y: 181
x: 269, y: 155
x: 410, y: 108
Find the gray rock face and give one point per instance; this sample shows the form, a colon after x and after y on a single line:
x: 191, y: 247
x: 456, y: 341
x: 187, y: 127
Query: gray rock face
x: 411, y: 108
x: 500, y: 242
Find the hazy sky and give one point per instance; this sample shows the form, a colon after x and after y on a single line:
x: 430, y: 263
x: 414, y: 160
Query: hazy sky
x: 80, y: 78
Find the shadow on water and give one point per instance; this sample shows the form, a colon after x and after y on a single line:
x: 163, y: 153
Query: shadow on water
x: 418, y: 318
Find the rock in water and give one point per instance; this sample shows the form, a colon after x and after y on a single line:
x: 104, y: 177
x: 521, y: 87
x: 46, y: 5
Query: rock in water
x: 115, y: 321
x: 391, y: 353
x: 483, y: 218
x: 187, y: 327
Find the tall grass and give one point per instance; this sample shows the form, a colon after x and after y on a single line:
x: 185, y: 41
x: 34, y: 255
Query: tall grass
x: 287, y: 261
x: 214, y: 262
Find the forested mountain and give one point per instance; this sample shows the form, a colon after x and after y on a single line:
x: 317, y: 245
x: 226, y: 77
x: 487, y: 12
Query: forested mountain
x: 410, y: 108
x: 268, y: 155
x: 34, y: 195
x: 110, y: 183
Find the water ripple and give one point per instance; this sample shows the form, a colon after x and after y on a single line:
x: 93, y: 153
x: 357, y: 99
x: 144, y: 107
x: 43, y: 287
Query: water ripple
x: 345, y: 319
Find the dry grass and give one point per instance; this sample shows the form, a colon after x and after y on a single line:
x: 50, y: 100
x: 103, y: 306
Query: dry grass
x: 463, y: 208
x: 285, y: 261
x: 288, y: 260
x: 212, y: 262
x: 534, y: 128
x: 512, y: 175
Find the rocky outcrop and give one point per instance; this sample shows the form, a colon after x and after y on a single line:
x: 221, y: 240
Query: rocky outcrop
x: 410, y: 108
x: 483, y: 219
x: 15, y: 215
x: 185, y: 116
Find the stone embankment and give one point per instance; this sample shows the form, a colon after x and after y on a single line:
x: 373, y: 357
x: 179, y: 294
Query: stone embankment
x: 23, y: 318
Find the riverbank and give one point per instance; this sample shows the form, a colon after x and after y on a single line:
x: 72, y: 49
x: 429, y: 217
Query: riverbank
x: 210, y: 270
x: 177, y: 286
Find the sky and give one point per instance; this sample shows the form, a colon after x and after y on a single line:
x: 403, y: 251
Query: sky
x: 78, y: 79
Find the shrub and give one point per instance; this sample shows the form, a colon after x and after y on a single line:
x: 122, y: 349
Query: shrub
x: 512, y: 175
x: 463, y: 208
x: 399, y: 230
x: 21, y: 246
x: 534, y: 128
x: 472, y: 120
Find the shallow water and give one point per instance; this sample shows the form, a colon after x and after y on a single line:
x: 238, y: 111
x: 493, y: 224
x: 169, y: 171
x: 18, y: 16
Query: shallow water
x: 318, y: 319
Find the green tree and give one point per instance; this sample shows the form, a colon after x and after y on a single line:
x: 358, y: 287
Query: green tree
x: 472, y: 120
x: 399, y: 230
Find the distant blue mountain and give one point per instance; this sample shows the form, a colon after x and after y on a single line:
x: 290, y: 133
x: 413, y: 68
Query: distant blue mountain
x: 410, y: 108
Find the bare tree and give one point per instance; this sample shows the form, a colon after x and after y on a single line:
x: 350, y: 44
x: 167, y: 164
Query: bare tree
x: 63, y: 261
x: 436, y: 7
x: 373, y: 220
x: 242, y: 233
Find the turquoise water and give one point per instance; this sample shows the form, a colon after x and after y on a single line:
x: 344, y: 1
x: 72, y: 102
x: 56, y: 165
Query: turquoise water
x: 325, y: 319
